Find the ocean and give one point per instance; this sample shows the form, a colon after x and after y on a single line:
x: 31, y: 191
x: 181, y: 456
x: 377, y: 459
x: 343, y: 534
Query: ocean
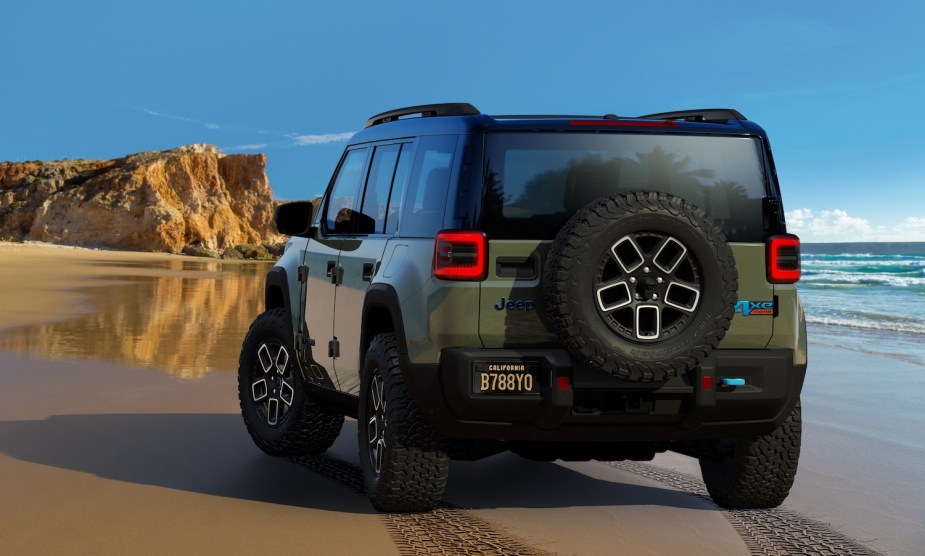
x: 863, y: 455
x: 867, y: 297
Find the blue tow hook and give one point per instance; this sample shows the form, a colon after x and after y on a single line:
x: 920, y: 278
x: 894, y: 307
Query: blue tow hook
x: 732, y: 382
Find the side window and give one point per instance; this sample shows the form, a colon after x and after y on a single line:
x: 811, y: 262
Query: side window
x: 399, y: 184
x: 378, y: 185
x: 422, y: 214
x: 343, y: 199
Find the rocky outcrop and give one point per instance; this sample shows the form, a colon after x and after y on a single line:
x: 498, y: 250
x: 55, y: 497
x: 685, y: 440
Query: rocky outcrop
x: 189, y: 198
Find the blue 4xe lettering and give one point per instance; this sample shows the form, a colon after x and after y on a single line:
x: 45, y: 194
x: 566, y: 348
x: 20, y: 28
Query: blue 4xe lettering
x: 753, y: 308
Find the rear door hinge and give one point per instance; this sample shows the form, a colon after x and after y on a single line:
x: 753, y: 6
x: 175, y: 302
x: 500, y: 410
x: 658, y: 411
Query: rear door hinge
x: 334, y: 348
x: 302, y: 274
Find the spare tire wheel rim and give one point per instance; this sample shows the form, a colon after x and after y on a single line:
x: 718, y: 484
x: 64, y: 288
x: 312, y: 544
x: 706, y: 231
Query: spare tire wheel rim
x: 647, y: 286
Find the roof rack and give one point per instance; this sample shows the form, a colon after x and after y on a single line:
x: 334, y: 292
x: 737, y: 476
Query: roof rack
x: 701, y: 115
x: 425, y: 111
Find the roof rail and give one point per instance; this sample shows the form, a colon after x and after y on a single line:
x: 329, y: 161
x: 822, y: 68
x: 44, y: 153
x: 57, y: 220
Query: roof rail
x: 425, y: 111
x: 701, y: 115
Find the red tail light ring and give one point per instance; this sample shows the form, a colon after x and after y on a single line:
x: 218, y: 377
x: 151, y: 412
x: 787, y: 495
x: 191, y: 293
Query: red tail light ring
x: 783, y: 259
x: 461, y: 255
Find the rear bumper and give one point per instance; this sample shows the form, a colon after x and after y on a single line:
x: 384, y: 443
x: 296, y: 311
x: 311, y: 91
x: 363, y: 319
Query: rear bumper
x: 594, y: 407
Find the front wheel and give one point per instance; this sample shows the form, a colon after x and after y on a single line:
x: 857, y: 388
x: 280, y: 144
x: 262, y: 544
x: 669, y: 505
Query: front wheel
x: 755, y: 473
x: 404, y: 465
x: 278, y: 413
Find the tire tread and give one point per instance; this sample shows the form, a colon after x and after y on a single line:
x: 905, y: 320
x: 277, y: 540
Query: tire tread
x: 310, y: 428
x: 414, y: 472
x: 759, y: 472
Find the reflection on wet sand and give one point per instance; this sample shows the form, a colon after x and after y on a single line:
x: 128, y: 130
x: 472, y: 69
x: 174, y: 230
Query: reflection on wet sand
x: 184, y: 317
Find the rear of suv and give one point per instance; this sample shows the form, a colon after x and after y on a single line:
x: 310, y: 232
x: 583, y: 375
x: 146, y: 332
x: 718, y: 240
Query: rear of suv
x: 564, y: 287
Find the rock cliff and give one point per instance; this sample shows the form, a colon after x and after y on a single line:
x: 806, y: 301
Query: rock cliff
x: 190, y: 199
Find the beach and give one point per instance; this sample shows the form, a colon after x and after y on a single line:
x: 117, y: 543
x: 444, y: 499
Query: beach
x: 862, y: 464
x: 120, y: 432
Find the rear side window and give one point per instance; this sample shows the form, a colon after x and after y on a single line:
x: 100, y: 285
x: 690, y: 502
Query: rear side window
x: 425, y: 201
x: 536, y: 181
x: 402, y: 172
x: 376, y: 197
x: 343, y: 199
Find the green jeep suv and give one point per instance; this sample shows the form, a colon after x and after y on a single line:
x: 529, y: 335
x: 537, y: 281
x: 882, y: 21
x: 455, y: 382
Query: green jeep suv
x: 563, y: 287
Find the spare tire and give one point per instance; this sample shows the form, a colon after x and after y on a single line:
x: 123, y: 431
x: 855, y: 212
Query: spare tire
x: 640, y: 285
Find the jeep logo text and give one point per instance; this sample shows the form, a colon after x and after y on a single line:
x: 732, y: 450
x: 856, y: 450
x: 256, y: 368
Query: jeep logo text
x: 515, y: 304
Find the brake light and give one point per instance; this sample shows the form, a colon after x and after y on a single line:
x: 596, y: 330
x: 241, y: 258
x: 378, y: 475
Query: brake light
x: 625, y: 123
x: 460, y: 255
x: 783, y: 259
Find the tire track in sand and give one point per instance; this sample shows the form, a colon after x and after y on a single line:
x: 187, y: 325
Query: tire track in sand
x: 772, y: 532
x: 450, y: 529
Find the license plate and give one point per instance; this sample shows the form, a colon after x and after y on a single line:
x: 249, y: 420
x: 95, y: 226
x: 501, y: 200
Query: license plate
x: 511, y: 377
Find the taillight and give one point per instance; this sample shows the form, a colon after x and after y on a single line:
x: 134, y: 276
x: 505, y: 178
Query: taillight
x: 783, y: 259
x: 460, y: 255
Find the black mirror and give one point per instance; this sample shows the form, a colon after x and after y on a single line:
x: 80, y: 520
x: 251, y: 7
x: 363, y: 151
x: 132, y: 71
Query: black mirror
x: 294, y: 219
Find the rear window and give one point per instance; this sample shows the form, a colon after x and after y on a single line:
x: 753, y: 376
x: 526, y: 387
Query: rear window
x: 536, y: 181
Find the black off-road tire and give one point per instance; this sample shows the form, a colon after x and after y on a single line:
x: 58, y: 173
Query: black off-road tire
x: 577, y: 254
x: 306, y: 427
x: 756, y: 473
x: 414, y: 463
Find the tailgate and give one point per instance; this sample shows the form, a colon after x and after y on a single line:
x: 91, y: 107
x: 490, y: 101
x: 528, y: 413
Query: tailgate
x: 511, y: 312
x: 753, y: 322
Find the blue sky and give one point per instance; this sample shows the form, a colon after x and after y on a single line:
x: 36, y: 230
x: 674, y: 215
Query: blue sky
x: 838, y: 85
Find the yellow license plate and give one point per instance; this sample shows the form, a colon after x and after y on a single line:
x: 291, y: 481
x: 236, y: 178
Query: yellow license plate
x: 501, y: 377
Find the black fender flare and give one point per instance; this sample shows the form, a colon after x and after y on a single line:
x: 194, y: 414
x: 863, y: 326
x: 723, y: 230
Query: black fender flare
x: 382, y: 298
x: 277, y: 280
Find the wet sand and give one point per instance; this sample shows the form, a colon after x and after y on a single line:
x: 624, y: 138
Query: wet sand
x: 98, y: 458
x: 862, y: 464
x: 120, y: 434
x: 180, y: 314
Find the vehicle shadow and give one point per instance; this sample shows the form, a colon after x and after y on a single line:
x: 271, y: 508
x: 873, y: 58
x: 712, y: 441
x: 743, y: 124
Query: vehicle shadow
x: 204, y: 453
x: 509, y: 481
x: 212, y: 454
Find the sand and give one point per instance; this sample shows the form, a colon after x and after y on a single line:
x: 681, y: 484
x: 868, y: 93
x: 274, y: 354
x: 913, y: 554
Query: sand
x: 106, y: 448
x: 862, y: 465
x: 42, y: 283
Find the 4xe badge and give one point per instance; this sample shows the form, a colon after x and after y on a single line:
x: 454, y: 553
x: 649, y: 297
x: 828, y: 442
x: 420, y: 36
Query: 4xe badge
x: 755, y: 308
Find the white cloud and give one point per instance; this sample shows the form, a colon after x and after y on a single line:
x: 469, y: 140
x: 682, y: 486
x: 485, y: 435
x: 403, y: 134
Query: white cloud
x: 251, y: 147
x: 175, y: 117
x: 912, y: 227
x: 304, y: 140
x: 830, y: 223
x: 798, y: 219
x: 838, y: 226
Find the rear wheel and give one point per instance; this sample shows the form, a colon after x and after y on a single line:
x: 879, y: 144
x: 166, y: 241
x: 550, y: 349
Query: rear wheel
x: 404, y: 464
x: 279, y: 415
x: 755, y: 473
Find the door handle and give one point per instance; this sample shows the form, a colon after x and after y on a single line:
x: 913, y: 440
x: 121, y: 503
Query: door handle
x: 368, y: 272
x: 335, y: 273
